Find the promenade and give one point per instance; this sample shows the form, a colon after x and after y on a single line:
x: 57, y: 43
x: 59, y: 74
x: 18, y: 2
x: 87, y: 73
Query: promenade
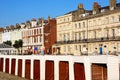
x: 5, y: 76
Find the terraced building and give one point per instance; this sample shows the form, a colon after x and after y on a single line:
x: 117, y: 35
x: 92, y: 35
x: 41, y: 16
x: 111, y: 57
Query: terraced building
x: 89, y: 31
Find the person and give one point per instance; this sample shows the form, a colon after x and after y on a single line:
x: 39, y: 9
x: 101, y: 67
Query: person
x: 101, y: 52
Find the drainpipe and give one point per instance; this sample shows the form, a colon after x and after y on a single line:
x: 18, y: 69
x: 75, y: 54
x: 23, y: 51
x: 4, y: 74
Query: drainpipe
x: 87, y: 36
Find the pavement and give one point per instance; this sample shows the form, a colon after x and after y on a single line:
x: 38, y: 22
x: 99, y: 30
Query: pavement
x: 5, y: 76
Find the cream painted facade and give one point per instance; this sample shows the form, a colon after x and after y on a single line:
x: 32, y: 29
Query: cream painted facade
x: 64, y: 31
x: 99, y: 31
x: 67, y: 33
x: 64, y: 27
x: 93, y: 33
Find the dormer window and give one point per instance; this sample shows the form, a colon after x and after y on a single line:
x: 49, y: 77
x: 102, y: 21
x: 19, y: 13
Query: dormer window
x: 103, y: 10
x: 83, y: 15
x: 86, y: 14
x: 112, y: 8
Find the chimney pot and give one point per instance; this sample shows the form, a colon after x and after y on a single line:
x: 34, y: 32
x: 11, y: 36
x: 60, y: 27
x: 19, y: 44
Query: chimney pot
x: 80, y: 6
x: 112, y: 4
x: 96, y: 7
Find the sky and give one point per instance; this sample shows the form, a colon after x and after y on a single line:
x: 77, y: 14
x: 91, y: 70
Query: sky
x: 19, y: 11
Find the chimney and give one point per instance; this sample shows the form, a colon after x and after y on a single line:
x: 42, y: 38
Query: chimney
x: 40, y: 21
x: 28, y: 23
x: 12, y: 27
x: 22, y: 25
x: 48, y: 19
x: 80, y: 8
x: 96, y: 8
x: 8, y: 28
x: 1, y: 29
x: 17, y: 26
x: 112, y: 4
x: 34, y: 22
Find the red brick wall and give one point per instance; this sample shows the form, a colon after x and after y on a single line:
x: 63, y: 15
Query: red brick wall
x: 51, y: 38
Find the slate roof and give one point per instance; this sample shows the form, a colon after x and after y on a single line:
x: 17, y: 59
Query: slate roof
x: 2, y: 45
x: 105, y: 7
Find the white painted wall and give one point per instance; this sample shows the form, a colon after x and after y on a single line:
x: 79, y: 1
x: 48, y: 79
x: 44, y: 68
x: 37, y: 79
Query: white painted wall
x: 111, y: 61
x: 6, y: 36
x: 16, y: 35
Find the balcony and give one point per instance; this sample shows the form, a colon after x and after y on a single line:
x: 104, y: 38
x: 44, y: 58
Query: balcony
x: 72, y: 41
x: 103, y: 39
x: 63, y: 42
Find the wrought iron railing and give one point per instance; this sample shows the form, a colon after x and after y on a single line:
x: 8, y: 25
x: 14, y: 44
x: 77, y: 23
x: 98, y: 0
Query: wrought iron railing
x: 89, y: 40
